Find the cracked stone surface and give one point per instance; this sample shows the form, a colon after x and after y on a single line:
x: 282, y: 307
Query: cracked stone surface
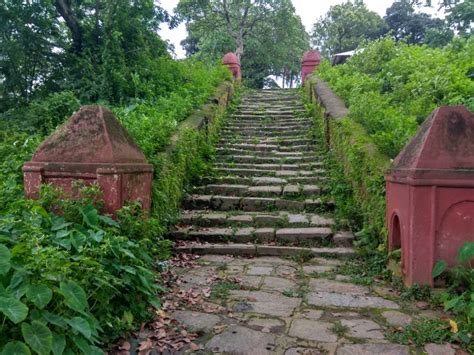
x: 258, y: 316
x: 241, y: 340
x: 312, y: 330
x: 268, y: 303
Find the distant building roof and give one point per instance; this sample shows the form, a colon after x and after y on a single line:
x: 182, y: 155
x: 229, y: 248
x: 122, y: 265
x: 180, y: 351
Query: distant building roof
x: 340, y: 58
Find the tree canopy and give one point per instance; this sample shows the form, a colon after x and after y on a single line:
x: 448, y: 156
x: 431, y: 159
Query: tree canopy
x: 345, y: 26
x: 267, y: 36
x: 92, y: 47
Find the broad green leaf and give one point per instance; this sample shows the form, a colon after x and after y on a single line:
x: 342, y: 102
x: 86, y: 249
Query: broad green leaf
x: 62, y: 233
x: 59, y: 344
x: 109, y: 221
x: 90, y: 216
x: 74, y: 296
x: 55, y: 319
x: 82, y: 344
x: 96, y: 236
x: 59, y: 223
x: 155, y: 302
x: 16, y: 348
x: 439, y: 268
x: 466, y: 252
x: 96, y: 351
x: 78, y: 240
x: 15, y: 310
x: 5, y: 257
x: 452, y: 303
x: 38, y: 337
x: 81, y: 325
x: 40, y: 295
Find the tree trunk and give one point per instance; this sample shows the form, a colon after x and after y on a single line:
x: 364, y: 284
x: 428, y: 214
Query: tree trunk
x: 65, y: 10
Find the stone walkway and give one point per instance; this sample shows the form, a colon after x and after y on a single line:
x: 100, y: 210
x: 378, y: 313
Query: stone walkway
x: 272, y: 305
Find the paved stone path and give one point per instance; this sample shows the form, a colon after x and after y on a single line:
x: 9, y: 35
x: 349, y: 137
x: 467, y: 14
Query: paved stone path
x: 274, y: 305
x: 266, y: 207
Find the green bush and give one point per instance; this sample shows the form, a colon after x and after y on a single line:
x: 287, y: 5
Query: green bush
x: 73, y: 280
x: 390, y: 88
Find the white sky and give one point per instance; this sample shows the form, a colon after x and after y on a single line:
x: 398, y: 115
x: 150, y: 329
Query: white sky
x: 308, y: 10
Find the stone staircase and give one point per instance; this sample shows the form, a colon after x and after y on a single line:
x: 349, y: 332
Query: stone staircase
x: 267, y: 196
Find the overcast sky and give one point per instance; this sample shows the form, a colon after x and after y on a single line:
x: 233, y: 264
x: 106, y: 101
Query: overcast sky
x: 308, y: 10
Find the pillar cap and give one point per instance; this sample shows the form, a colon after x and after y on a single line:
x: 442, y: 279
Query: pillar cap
x: 230, y: 58
x: 93, y: 135
x: 311, y: 56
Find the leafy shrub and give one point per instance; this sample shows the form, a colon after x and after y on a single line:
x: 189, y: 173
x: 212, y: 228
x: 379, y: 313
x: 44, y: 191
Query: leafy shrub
x: 459, y: 297
x: 73, y: 280
x: 390, y: 88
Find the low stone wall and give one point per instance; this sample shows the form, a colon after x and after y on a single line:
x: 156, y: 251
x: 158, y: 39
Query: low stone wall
x: 364, y: 166
x: 186, y: 154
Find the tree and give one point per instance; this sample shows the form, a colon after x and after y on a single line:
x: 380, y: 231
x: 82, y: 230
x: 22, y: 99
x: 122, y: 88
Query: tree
x: 264, y: 35
x: 345, y: 27
x: 459, y: 14
x: 417, y: 28
x: 237, y: 18
x: 92, y: 47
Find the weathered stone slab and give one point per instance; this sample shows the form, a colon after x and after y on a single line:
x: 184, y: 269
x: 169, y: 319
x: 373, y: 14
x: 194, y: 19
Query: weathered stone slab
x: 337, y: 286
x: 268, y: 181
x: 397, y: 319
x: 260, y: 270
x: 267, y: 325
x: 317, y: 268
x: 296, y: 234
x: 240, y: 340
x: 196, y: 321
x: 265, y: 234
x: 297, y: 219
x: 272, y: 304
x: 439, y: 349
x: 363, y: 328
x: 312, y: 330
x: 277, y: 284
x: 321, y: 221
x: 225, y: 203
x: 371, y: 349
x: 264, y: 190
x: 349, y: 301
x: 240, y: 219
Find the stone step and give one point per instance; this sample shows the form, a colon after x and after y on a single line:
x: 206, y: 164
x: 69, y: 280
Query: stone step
x: 287, y: 191
x: 269, y: 113
x: 263, y: 123
x: 253, y: 204
x: 276, y: 167
x: 259, y: 159
x: 221, y: 151
x: 260, y: 134
x: 313, y: 235
x: 279, y: 173
x: 253, y: 219
x: 249, y: 148
x: 263, y: 180
x: 254, y: 140
x: 263, y: 250
x: 238, y: 127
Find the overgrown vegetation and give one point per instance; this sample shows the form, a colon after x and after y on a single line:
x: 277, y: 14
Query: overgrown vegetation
x: 71, y: 279
x: 390, y: 88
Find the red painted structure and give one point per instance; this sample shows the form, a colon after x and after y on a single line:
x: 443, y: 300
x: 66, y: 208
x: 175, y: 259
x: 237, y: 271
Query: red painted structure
x: 430, y: 194
x: 92, y: 147
x: 309, y: 63
x: 233, y: 63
